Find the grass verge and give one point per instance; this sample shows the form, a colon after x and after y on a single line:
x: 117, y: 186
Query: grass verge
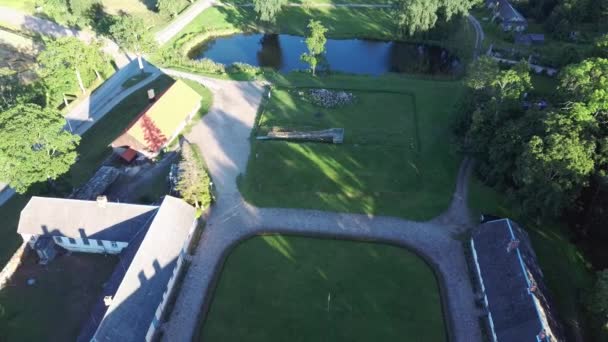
x: 285, y: 288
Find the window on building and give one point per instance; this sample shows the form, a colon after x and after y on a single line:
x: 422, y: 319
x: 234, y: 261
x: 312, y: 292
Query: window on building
x: 114, y: 244
x: 58, y: 239
x: 72, y: 241
x: 100, y: 243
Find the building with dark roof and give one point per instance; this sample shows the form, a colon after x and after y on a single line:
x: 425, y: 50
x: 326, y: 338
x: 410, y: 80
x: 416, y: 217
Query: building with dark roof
x: 155, y: 240
x: 136, y: 309
x: 83, y: 226
x: 510, y: 18
x: 510, y: 282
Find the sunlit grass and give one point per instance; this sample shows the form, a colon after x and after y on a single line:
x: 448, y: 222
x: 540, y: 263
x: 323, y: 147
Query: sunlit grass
x: 396, y: 158
x: 284, y: 288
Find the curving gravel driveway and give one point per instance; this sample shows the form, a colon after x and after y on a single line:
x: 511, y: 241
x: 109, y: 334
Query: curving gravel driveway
x: 223, y: 136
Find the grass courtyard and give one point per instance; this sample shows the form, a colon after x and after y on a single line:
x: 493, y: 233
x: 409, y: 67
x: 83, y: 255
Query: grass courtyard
x: 396, y: 159
x: 284, y: 288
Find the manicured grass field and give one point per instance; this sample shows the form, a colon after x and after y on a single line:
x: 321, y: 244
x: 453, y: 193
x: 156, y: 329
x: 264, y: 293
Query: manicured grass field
x: 282, y: 288
x: 556, y: 254
x: 396, y: 158
x: 56, y: 306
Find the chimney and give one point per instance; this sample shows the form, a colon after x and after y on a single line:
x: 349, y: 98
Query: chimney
x: 107, y: 300
x: 151, y: 95
x: 512, y: 245
x: 102, y: 201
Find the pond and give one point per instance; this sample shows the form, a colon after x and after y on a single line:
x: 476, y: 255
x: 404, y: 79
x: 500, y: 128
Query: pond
x: 359, y: 56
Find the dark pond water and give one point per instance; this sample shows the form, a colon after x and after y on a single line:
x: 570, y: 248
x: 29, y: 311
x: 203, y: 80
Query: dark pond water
x: 359, y: 56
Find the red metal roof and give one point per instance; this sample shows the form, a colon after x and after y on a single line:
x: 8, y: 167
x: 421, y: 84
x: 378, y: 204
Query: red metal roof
x: 128, y: 155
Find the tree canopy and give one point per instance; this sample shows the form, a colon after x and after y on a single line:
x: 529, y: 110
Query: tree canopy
x: 170, y: 8
x: 67, y: 62
x: 194, y: 184
x: 268, y: 10
x: 132, y: 34
x: 34, y: 147
x: 413, y: 16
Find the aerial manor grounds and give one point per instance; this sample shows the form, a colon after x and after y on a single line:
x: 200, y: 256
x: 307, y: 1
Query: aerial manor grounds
x: 285, y: 288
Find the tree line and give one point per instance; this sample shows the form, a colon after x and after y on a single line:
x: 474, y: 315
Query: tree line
x: 552, y: 163
x: 411, y: 16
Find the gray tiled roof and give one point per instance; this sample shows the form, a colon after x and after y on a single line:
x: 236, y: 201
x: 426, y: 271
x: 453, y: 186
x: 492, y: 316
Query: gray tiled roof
x: 505, y: 275
x: 140, y: 292
x: 78, y: 218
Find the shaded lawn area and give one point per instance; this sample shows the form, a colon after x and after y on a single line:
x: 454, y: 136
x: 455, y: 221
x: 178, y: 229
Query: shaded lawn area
x: 341, y: 22
x: 566, y: 272
x: 58, y: 303
x: 285, y: 288
x: 396, y: 158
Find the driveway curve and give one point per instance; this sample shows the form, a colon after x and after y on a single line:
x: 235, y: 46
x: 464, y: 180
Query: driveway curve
x: 223, y: 136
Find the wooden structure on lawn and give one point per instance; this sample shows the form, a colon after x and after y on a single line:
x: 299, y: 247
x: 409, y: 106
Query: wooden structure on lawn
x: 159, y: 123
x: 332, y: 135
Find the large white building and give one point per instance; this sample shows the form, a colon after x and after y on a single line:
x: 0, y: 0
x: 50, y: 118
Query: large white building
x: 152, y: 241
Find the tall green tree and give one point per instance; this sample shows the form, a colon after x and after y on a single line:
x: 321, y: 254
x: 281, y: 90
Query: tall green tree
x: 132, y: 34
x: 69, y: 54
x: 170, y: 8
x: 315, y: 43
x: 194, y: 184
x: 268, y: 10
x: 34, y: 147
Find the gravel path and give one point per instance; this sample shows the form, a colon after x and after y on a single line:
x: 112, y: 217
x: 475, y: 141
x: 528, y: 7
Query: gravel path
x: 223, y: 136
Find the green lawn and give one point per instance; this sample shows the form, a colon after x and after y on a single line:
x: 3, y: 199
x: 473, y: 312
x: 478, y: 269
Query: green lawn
x: 566, y: 272
x: 341, y: 22
x: 57, y: 305
x: 396, y: 158
x: 282, y: 288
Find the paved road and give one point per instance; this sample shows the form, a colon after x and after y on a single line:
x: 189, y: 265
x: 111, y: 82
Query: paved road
x: 223, y: 136
x: 34, y: 24
x: 479, y: 34
x: 182, y: 20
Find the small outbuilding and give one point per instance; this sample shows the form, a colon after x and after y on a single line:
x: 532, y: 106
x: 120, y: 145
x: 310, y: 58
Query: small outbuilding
x: 510, y: 282
x: 159, y: 123
x: 510, y: 18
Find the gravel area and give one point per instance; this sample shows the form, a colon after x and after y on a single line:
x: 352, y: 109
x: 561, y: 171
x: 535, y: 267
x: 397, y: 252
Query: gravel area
x: 223, y: 136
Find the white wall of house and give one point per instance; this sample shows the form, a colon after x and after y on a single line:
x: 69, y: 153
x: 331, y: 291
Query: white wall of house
x: 90, y: 245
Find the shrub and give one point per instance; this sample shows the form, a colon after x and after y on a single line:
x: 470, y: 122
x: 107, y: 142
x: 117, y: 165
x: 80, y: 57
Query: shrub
x: 244, y: 68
